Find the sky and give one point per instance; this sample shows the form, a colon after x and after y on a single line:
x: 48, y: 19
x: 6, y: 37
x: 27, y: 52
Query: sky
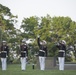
x: 28, y: 8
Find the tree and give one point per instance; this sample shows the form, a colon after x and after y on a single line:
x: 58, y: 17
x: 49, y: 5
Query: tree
x: 28, y: 25
x: 8, y: 20
x: 43, y: 28
x: 63, y: 28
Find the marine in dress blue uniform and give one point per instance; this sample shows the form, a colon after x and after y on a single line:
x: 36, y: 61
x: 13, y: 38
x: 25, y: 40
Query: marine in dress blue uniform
x: 61, y: 56
x: 4, y: 54
x: 24, y: 55
x: 42, y: 53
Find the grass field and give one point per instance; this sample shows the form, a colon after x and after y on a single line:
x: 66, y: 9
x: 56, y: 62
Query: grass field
x: 14, y: 69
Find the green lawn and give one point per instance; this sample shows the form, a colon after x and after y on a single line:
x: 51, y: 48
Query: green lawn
x: 14, y: 69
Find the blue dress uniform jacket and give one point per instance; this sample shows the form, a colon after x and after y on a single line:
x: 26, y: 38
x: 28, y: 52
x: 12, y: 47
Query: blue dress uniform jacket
x: 62, y: 50
x: 4, y: 51
x: 24, y: 51
x: 42, y: 49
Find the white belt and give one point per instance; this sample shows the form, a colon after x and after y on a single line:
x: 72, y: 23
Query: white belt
x: 23, y: 51
x: 4, y: 51
x: 61, y: 51
x: 42, y: 51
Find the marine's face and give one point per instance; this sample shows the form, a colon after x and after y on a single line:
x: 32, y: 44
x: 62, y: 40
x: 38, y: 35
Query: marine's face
x: 43, y: 43
x: 62, y: 42
x: 4, y: 43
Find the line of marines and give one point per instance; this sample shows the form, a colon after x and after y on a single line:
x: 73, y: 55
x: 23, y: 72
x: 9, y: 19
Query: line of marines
x: 4, y: 51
